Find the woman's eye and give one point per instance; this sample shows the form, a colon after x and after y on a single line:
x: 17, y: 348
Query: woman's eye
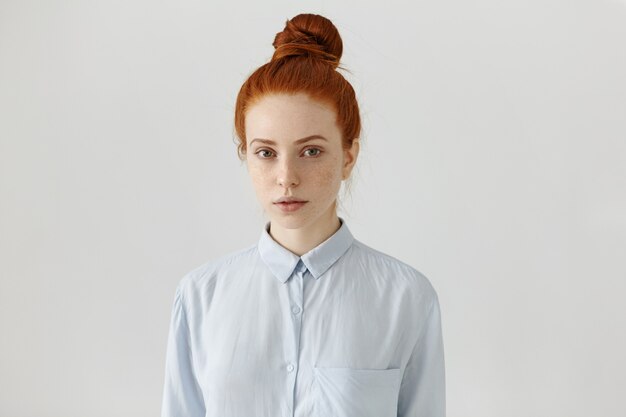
x: 316, y: 151
x: 264, y: 153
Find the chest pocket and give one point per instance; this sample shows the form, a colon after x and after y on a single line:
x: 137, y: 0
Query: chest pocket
x: 351, y: 392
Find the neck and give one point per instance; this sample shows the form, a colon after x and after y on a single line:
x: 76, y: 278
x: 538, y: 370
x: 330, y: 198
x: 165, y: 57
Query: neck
x: 302, y: 240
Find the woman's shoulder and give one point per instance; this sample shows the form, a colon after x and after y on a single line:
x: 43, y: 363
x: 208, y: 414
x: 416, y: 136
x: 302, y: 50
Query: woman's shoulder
x: 206, y: 272
x: 390, y: 267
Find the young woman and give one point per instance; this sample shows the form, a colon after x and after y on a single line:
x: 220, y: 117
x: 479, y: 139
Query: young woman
x: 308, y: 321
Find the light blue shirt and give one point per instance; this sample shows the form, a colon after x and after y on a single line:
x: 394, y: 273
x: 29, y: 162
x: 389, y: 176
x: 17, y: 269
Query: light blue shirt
x: 342, y: 331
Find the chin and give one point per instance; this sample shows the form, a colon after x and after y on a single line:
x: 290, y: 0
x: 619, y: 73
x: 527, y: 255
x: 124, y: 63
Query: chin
x: 290, y: 221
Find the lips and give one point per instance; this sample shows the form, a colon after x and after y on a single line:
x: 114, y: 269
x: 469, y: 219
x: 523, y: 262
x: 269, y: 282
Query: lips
x: 290, y: 206
x: 289, y: 200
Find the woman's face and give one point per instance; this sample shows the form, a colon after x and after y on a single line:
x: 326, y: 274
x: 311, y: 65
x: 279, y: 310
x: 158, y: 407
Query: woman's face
x: 294, y: 150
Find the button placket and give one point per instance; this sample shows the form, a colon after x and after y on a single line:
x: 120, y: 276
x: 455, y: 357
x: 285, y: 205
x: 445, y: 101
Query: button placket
x: 296, y: 298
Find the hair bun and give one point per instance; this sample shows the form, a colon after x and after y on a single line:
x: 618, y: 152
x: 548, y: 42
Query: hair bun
x: 309, y: 35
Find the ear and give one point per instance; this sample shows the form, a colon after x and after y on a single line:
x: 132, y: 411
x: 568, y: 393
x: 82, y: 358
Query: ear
x: 349, y: 158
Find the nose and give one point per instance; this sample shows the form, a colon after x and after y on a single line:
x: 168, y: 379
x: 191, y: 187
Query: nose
x: 287, y: 176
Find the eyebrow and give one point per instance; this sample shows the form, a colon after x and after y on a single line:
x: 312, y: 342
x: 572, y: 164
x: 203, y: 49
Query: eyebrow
x: 299, y: 141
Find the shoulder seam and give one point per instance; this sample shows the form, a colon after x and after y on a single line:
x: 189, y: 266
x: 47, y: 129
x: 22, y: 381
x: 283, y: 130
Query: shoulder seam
x: 386, y: 257
x: 201, y: 270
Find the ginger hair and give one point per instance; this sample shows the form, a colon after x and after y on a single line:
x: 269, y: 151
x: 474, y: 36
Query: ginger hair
x: 305, y: 60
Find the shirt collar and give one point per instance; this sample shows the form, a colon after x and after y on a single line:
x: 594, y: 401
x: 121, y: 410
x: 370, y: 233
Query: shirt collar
x: 282, y: 261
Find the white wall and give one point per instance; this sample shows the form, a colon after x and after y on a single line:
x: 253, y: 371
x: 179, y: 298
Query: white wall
x: 494, y: 161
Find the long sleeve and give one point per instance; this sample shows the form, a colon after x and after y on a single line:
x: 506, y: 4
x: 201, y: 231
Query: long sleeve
x: 342, y: 330
x: 182, y: 396
x: 422, y: 392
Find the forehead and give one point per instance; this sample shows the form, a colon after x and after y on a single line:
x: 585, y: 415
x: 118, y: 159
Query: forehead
x: 285, y: 118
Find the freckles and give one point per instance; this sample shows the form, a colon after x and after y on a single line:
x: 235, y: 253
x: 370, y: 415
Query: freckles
x: 327, y: 175
x: 258, y: 172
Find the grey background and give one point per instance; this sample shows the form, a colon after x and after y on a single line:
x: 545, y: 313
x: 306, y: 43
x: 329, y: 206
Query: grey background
x: 493, y: 161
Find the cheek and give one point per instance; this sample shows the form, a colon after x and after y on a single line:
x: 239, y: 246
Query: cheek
x: 327, y: 176
x: 258, y: 173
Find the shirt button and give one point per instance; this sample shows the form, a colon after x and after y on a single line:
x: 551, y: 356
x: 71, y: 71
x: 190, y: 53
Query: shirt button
x: 295, y: 310
x: 290, y: 367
